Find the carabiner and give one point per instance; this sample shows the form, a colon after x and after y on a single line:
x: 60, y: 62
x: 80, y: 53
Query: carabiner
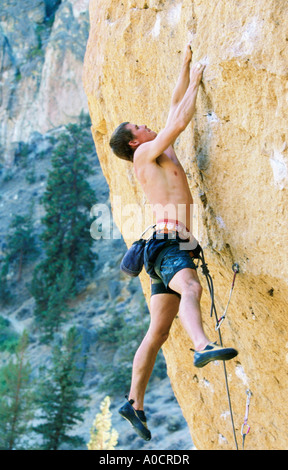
x: 235, y: 269
x: 219, y: 322
x: 242, y: 429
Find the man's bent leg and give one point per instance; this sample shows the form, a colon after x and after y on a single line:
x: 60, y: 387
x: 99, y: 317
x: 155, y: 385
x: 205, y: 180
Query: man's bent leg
x: 187, y: 284
x: 163, y: 309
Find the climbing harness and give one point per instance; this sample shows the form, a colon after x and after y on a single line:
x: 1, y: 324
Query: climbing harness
x: 235, y: 268
x: 245, y: 425
x: 146, y: 230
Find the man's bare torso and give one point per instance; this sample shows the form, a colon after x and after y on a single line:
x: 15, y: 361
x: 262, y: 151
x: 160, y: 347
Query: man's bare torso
x: 165, y: 185
x: 155, y: 162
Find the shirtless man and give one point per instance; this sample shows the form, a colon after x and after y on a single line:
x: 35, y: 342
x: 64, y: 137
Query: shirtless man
x: 175, y: 284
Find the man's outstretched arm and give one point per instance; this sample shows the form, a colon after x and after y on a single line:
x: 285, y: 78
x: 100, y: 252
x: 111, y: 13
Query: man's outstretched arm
x: 181, y: 87
x: 183, y: 79
x: 179, y: 120
x: 186, y: 108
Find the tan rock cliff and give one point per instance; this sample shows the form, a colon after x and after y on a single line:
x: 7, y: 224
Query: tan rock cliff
x: 235, y: 155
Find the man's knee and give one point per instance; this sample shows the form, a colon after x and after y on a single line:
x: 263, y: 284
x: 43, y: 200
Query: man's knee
x: 158, y: 336
x: 192, y: 286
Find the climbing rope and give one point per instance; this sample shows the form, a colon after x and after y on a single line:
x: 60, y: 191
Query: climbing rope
x: 206, y: 273
x: 245, y: 427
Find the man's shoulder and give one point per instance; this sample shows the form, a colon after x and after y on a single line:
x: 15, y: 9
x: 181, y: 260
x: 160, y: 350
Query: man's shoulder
x: 143, y: 150
x: 141, y: 154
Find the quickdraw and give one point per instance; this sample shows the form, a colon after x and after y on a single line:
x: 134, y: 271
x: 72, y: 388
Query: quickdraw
x: 219, y: 322
x: 245, y: 425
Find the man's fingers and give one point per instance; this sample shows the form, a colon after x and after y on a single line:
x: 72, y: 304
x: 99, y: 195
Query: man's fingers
x: 199, y: 66
x: 197, y: 71
x: 188, y: 53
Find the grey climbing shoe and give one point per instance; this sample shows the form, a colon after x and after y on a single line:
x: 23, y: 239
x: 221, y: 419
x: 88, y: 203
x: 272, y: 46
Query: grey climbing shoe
x: 213, y: 352
x: 137, y: 419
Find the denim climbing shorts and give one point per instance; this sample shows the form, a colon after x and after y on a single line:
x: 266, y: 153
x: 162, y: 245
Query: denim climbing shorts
x: 169, y: 261
x: 158, y: 287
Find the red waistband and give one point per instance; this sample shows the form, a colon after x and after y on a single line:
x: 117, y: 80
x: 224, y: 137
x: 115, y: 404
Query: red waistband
x: 174, y: 222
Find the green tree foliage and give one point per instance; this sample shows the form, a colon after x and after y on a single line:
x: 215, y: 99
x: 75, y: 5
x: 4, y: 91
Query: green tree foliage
x: 66, y: 237
x: 5, y: 294
x: 102, y: 435
x: 124, y: 332
x: 59, y: 396
x: 52, y: 297
x: 20, y: 248
x: 16, y: 399
x: 21, y: 243
x: 9, y: 339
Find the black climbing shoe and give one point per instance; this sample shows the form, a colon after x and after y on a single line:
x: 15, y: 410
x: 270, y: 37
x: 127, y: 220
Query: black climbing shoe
x: 213, y: 352
x: 137, y: 419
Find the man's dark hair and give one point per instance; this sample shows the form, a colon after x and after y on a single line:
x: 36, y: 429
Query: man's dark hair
x: 119, y: 142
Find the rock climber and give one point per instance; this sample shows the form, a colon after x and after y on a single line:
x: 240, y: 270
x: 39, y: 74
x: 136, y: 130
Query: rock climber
x: 175, y: 286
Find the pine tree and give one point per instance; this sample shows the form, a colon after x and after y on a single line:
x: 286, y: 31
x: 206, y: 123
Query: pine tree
x: 67, y: 201
x: 20, y: 247
x: 102, y: 437
x: 16, y: 399
x: 52, y: 297
x: 66, y: 237
x: 59, y: 397
x: 5, y: 294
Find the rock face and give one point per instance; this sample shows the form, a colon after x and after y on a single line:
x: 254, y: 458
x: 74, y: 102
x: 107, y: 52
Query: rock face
x: 41, y: 56
x: 235, y: 156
